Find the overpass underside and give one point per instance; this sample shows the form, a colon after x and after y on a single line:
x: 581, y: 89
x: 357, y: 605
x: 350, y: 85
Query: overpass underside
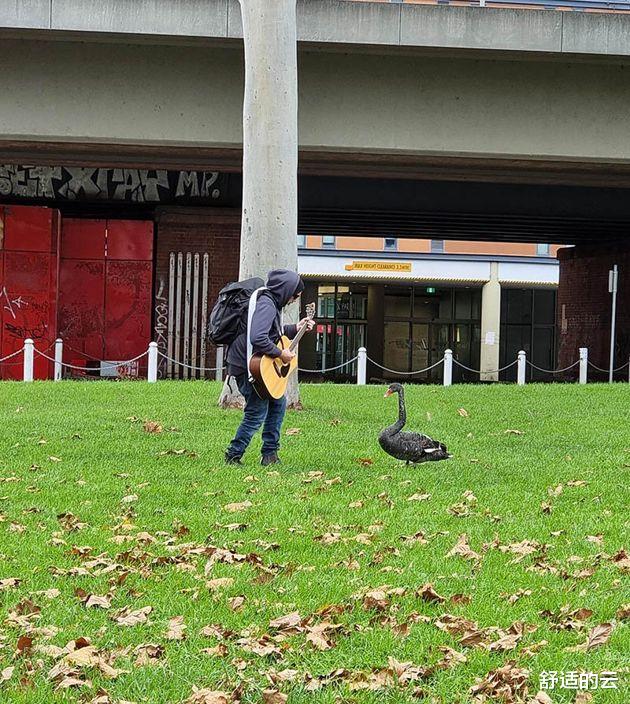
x: 523, y: 143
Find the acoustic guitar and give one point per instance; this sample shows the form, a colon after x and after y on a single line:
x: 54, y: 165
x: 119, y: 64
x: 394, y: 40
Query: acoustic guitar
x: 270, y: 375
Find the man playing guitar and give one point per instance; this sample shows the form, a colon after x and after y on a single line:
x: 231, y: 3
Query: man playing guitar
x: 283, y: 287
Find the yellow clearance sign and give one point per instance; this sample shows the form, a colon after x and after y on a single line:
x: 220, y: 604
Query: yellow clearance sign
x: 379, y: 266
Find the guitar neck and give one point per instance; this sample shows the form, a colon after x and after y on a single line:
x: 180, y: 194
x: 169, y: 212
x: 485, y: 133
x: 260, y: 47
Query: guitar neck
x: 297, y: 338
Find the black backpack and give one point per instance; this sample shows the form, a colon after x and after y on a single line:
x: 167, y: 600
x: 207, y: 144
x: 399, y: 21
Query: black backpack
x: 229, y: 315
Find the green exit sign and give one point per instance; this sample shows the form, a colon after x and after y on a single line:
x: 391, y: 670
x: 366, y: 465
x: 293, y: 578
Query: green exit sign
x: 430, y: 289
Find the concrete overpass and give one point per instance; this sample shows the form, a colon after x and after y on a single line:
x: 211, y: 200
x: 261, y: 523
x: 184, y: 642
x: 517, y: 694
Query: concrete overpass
x: 392, y: 91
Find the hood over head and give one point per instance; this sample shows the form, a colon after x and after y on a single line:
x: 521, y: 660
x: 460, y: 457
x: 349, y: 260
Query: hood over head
x: 283, y: 284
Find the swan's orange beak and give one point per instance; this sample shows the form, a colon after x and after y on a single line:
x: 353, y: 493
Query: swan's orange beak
x: 389, y: 392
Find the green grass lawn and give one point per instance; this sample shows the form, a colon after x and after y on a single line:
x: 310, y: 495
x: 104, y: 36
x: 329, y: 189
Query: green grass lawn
x: 340, y: 533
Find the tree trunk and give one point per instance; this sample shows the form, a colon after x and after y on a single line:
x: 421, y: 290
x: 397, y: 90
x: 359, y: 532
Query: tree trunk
x: 270, y: 148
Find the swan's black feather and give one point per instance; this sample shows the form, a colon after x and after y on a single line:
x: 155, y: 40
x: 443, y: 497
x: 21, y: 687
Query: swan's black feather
x: 409, y: 446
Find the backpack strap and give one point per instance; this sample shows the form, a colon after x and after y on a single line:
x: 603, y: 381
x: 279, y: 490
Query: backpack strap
x: 253, y: 299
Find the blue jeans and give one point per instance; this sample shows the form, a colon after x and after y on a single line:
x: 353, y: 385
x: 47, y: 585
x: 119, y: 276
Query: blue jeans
x: 269, y: 414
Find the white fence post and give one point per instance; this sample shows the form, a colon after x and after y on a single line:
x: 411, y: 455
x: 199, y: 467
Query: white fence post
x: 152, y: 367
x: 29, y: 348
x: 218, y: 374
x: 362, y: 366
x: 58, y: 359
x: 448, y: 367
x: 583, y: 365
x: 521, y: 367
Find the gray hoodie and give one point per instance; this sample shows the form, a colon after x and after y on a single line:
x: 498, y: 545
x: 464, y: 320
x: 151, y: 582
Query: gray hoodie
x: 282, y: 285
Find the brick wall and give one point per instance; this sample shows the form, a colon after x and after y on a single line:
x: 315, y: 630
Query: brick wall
x: 199, y: 230
x: 584, y: 306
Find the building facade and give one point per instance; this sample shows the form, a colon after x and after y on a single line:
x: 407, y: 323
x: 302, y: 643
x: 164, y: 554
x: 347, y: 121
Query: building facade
x: 407, y: 301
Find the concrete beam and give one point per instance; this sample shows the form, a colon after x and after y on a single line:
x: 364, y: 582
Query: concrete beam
x: 481, y: 28
x: 337, y: 24
x: 25, y: 14
x: 194, y: 18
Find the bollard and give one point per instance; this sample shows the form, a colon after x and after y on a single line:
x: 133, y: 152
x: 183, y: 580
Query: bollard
x: 29, y: 349
x: 448, y: 367
x: 521, y: 367
x: 58, y: 359
x: 583, y: 365
x: 218, y: 374
x: 362, y: 366
x: 152, y: 368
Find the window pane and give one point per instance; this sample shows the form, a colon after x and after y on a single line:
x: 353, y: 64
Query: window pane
x: 420, y: 347
x: 391, y: 243
x: 437, y: 246
x: 397, y: 302
x: 425, y: 307
x: 328, y: 241
x: 396, y: 346
x: 352, y: 303
x: 542, y: 250
x: 463, y: 304
x: 446, y: 304
x: 544, y: 307
x: 301, y: 240
x: 476, y: 304
x: 518, y: 306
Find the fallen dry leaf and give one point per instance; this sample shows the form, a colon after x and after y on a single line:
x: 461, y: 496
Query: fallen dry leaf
x: 419, y: 497
x: 598, y: 635
x: 233, y: 508
x: 428, y: 593
x: 463, y: 412
x: 623, y: 613
x: 176, y: 629
x: 293, y: 431
x: 152, y: 426
x: 286, y: 622
x: 236, y: 602
x: 541, y: 698
x: 9, y: 583
x: 147, y: 654
x: 209, y: 696
x: 273, y: 696
x: 463, y: 549
x: 126, y: 617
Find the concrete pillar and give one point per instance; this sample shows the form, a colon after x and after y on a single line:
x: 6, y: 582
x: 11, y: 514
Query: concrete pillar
x: 490, y: 325
x: 270, y: 150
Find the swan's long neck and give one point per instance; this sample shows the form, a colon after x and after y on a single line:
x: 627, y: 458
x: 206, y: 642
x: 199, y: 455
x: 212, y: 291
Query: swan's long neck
x: 402, y: 412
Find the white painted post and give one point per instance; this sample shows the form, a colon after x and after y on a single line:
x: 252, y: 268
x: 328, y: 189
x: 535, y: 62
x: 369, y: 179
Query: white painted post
x: 152, y: 368
x: 218, y: 375
x: 448, y: 367
x: 613, y: 278
x: 58, y: 359
x: 362, y: 367
x: 583, y: 365
x: 29, y: 349
x: 521, y: 367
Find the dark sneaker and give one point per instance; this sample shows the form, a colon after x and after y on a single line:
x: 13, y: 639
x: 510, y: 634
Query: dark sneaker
x: 232, y: 459
x: 270, y: 459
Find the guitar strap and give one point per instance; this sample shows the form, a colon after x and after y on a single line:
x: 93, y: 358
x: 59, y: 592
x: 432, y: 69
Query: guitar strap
x: 250, y: 314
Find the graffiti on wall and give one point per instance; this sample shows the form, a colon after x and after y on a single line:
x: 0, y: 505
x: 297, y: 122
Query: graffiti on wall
x: 11, y: 304
x: 161, y: 324
x: 90, y: 184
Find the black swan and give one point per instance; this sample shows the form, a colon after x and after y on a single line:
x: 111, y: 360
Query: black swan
x: 410, y: 447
